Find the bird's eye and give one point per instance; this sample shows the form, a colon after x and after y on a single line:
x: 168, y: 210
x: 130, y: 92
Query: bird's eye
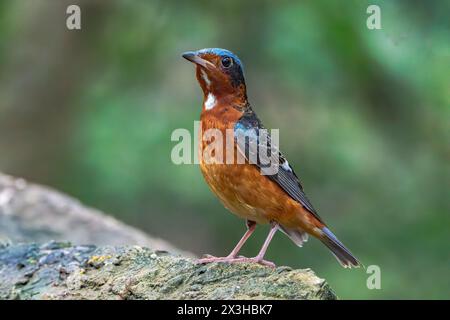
x: 227, y: 62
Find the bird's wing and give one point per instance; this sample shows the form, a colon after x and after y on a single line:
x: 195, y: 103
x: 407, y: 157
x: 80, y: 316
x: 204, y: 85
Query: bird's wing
x: 251, y: 138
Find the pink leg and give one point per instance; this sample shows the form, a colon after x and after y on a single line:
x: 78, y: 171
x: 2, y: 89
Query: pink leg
x: 263, y: 250
x: 251, y: 226
x: 258, y: 259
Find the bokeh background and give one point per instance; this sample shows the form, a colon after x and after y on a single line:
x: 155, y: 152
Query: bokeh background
x: 364, y: 118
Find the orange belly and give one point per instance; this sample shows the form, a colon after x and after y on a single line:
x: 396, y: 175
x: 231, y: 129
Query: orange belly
x: 245, y: 192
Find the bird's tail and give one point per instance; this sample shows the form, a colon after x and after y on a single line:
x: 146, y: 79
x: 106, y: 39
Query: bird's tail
x: 342, y: 254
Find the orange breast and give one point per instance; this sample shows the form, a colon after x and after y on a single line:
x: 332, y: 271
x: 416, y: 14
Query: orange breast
x: 244, y: 191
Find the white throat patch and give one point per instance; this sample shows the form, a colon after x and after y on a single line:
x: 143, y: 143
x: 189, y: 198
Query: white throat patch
x: 210, y: 101
x: 205, y: 77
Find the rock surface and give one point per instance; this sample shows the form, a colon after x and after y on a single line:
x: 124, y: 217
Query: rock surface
x: 33, y: 213
x: 110, y: 260
x: 58, y: 270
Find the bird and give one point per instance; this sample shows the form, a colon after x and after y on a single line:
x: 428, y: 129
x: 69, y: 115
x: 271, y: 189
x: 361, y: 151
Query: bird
x: 276, y: 198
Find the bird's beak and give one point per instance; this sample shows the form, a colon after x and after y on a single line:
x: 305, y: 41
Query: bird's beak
x: 195, y: 58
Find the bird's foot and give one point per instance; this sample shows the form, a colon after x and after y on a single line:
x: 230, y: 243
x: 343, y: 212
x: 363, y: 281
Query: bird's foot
x: 257, y: 260
x: 240, y: 259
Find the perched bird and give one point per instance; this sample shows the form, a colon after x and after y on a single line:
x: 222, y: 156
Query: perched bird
x: 277, y: 199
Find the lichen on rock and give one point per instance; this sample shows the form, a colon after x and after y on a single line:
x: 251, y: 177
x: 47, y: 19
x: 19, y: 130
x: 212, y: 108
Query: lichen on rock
x: 58, y: 270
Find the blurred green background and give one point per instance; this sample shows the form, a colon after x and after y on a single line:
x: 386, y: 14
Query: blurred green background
x: 363, y: 117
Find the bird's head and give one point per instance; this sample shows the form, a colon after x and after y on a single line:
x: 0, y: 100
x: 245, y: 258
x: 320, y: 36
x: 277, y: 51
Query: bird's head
x: 219, y: 72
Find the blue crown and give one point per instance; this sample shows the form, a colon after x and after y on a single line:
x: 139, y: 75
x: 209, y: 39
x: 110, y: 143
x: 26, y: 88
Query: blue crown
x: 223, y: 53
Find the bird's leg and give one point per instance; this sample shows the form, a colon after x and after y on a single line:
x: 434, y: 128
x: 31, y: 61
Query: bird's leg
x: 251, y: 226
x: 260, y: 257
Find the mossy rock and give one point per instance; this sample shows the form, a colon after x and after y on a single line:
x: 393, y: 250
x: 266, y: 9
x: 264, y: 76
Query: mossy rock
x: 58, y: 270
